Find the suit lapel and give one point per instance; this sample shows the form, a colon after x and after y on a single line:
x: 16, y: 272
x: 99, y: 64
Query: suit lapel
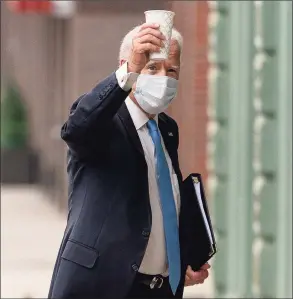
x: 130, y: 128
x: 169, y: 141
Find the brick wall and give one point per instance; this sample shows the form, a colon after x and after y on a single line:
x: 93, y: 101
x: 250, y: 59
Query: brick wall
x: 190, y: 107
x: 55, y: 61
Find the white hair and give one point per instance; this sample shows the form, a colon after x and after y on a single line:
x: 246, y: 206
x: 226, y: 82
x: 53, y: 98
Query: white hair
x: 126, y: 44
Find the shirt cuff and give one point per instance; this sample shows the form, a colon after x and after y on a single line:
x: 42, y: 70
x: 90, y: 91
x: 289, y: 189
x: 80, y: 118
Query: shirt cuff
x: 125, y: 79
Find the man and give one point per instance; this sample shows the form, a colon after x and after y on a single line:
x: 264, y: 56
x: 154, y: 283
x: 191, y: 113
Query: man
x: 122, y: 238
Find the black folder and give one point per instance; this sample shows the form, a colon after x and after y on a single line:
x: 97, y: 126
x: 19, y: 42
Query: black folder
x: 199, y: 244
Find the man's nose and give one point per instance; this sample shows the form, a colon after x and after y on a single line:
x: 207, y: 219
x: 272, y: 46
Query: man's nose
x: 162, y: 72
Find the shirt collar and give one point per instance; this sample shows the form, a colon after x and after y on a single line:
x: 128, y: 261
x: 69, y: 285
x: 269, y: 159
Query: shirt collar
x: 139, y: 118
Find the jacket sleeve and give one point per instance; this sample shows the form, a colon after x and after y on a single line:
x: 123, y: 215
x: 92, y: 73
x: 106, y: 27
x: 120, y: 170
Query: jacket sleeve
x: 91, y: 115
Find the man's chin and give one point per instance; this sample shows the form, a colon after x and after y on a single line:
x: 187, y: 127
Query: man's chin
x: 132, y: 97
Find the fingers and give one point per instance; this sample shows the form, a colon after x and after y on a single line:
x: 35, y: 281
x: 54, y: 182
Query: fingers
x: 205, y: 267
x: 146, y: 47
x: 204, y: 274
x: 191, y: 282
x: 151, y: 31
x: 148, y: 38
x: 149, y: 25
x: 188, y: 281
x: 196, y: 277
x: 189, y: 272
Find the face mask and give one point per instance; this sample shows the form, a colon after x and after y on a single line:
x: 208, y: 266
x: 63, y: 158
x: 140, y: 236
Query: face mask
x: 155, y: 93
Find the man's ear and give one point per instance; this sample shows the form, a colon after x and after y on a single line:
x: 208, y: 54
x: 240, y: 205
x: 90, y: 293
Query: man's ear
x: 122, y: 61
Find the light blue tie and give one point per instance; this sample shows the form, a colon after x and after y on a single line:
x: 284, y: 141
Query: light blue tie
x: 168, y: 207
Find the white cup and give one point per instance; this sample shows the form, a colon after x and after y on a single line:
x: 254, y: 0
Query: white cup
x: 165, y: 19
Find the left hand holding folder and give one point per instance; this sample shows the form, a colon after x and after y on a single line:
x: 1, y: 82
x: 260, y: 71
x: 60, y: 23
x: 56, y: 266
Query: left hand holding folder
x: 196, y: 277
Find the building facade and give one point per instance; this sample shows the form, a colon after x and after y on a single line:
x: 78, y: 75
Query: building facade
x: 55, y: 60
x: 236, y: 106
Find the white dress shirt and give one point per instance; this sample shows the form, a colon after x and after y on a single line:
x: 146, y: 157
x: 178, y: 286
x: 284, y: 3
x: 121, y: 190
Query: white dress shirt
x: 155, y: 259
x: 125, y: 79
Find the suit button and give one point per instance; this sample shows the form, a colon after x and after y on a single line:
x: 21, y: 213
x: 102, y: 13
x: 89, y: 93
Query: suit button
x: 145, y: 233
x: 134, y: 267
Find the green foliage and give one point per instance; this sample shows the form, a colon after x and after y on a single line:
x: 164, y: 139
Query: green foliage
x: 14, y: 127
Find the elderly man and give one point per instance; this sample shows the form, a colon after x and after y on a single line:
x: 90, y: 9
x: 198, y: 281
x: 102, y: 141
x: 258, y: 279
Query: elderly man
x: 125, y: 234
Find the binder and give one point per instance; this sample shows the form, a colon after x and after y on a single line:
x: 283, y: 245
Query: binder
x: 198, y: 240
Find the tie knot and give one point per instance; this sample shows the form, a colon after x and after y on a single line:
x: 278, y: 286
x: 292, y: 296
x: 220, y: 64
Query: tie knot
x: 152, y: 125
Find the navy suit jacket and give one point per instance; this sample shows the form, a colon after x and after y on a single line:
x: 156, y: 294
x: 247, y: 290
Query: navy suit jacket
x: 109, y: 218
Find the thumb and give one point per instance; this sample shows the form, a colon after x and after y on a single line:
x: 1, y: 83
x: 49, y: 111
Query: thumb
x: 205, y: 266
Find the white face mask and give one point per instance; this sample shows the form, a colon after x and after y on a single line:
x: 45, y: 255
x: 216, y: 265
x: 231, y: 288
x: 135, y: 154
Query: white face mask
x: 155, y: 93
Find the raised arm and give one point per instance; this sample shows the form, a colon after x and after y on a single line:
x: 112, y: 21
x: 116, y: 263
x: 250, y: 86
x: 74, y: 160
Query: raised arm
x: 91, y: 115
